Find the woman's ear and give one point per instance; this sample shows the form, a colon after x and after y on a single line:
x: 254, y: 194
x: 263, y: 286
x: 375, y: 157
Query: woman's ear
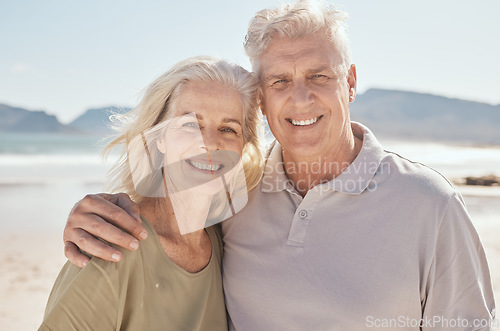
x: 161, y: 146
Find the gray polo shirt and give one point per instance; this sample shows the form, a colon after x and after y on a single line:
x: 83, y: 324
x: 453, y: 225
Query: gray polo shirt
x: 386, y: 244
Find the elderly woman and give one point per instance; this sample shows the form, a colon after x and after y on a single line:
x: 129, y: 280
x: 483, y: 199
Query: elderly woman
x: 190, y: 151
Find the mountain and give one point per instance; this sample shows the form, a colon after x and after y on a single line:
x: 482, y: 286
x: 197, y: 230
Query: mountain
x: 410, y: 115
x: 13, y: 119
x: 97, y: 120
x: 388, y: 113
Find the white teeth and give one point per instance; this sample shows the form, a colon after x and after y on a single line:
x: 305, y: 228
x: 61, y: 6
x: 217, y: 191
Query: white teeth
x: 205, y: 166
x: 306, y: 122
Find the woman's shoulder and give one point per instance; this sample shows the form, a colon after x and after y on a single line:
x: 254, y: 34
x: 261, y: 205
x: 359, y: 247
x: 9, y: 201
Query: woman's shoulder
x: 130, y: 262
x: 93, y: 287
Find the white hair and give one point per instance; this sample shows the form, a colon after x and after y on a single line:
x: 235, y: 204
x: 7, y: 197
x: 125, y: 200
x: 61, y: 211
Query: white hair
x: 294, y: 21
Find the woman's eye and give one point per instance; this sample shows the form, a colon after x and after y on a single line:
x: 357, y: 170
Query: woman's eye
x: 229, y: 130
x: 279, y: 81
x: 193, y: 125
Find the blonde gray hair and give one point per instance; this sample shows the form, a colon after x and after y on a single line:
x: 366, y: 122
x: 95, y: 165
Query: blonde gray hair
x: 294, y: 21
x: 158, y: 101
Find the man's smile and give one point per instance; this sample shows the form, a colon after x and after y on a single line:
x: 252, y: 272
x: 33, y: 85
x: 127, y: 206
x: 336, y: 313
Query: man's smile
x: 304, y: 122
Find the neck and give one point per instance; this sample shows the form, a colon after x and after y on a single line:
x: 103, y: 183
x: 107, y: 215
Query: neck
x: 306, y: 172
x: 189, y: 251
x: 177, y: 219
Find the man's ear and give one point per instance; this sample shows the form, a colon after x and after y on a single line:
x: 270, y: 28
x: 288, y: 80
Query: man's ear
x: 352, y: 80
x: 161, y: 146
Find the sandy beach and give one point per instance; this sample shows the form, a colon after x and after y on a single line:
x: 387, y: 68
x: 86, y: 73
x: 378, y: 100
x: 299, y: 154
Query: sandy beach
x: 31, y: 260
x: 30, y: 264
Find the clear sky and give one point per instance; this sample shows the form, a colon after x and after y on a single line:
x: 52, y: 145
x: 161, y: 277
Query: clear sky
x: 67, y: 56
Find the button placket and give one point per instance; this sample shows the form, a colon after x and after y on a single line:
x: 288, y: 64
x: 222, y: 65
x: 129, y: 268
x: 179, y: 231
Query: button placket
x: 301, y: 220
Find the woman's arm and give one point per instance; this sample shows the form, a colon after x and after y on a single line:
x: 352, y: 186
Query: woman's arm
x: 112, y: 217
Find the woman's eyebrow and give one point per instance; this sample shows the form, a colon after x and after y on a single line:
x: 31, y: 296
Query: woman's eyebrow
x: 191, y: 114
x: 224, y: 120
x: 231, y: 120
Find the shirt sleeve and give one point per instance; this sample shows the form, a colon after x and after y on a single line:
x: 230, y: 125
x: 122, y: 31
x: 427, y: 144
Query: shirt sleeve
x: 82, y: 299
x: 459, y: 291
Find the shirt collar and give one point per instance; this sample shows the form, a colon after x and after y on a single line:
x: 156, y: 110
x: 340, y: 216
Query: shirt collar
x: 274, y: 178
x: 353, y: 180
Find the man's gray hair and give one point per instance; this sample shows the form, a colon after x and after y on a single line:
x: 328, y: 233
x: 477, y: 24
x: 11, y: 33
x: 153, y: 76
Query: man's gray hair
x: 294, y: 21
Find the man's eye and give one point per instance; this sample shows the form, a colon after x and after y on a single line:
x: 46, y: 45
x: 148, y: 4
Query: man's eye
x: 319, y: 76
x: 279, y: 82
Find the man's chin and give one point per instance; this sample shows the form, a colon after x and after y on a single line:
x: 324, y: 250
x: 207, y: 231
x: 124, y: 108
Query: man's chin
x: 301, y: 150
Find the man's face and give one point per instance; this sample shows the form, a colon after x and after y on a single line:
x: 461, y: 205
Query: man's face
x: 305, y: 88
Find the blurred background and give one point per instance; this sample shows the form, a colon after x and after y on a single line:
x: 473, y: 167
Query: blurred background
x: 428, y: 86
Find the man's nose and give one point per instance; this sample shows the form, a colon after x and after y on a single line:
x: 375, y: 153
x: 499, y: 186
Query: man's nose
x: 301, y: 94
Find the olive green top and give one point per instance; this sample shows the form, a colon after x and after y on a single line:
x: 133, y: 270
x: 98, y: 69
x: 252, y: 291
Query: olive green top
x: 145, y: 291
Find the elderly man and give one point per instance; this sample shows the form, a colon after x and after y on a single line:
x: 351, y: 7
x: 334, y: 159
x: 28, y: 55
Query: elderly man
x: 340, y: 234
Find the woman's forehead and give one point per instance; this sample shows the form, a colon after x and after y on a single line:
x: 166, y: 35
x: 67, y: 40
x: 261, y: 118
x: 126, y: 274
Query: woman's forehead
x: 209, y: 100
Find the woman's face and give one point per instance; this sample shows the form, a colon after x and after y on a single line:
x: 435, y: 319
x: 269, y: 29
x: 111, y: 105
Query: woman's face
x: 204, y: 140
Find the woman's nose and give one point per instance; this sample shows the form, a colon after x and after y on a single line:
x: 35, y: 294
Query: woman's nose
x: 212, y: 141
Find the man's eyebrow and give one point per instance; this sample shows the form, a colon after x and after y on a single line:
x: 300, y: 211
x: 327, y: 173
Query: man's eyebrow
x: 272, y: 77
x: 337, y: 71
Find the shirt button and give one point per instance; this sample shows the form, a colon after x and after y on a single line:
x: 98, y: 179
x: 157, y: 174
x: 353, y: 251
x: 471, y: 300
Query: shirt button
x: 302, y: 214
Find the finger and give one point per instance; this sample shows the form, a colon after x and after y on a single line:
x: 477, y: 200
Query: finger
x: 93, y: 246
x: 107, y: 210
x: 74, y: 256
x: 93, y: 225
x: 123, y: 200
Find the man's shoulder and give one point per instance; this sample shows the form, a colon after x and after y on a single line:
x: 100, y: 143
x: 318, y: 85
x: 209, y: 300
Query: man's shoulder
x: 411, y: 175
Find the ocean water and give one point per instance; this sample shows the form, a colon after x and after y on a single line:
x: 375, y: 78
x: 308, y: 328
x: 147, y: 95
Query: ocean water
x: 48, y: 158
x: 43, y: 176
x: 454, y: 161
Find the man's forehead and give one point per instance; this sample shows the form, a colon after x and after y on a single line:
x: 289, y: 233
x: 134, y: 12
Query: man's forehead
x: 284, y: 55
x: 285, y: 68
